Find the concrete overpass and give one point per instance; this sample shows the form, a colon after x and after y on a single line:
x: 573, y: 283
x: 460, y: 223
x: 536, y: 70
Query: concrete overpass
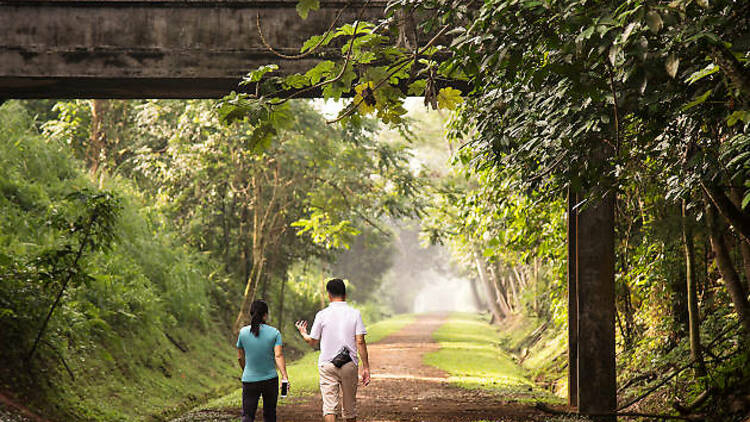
x: 151, y: 49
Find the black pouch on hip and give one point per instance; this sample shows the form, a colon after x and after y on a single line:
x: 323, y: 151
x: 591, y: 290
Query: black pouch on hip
x: 342, y: 358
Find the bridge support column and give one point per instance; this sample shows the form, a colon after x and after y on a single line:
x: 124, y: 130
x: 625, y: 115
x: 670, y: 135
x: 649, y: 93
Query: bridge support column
x: 572, y: 302
x: 595, y: 292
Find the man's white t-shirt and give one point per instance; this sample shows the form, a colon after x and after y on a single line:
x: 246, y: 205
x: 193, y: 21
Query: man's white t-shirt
x: 336, y: 326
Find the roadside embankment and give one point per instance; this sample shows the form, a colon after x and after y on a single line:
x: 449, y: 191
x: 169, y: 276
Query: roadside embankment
x: 477, y: 356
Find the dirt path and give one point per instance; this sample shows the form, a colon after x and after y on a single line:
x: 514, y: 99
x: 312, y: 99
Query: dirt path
x: 12, y: 411
x: 404, y: 389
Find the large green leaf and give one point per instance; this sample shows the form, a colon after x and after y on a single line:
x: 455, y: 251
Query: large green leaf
x: 449, y: 98
x: 257, y: 74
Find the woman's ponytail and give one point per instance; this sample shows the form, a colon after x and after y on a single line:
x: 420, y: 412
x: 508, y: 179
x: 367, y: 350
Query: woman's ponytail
x: 258, y: 310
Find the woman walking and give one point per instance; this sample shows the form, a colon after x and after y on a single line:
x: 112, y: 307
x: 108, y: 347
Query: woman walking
x: 258, y: 348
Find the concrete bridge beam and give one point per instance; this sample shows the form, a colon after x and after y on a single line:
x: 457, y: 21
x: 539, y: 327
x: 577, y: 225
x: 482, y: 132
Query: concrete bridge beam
x: 151, y: 49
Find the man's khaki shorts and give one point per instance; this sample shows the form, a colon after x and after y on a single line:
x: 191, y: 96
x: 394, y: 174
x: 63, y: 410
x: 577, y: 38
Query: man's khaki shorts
x: 339, y: 386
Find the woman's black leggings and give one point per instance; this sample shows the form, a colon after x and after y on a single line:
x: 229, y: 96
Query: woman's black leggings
x: 251, y: 392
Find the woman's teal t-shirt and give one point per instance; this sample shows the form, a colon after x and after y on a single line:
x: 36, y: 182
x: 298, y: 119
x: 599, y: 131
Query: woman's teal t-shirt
x: 259, y: 355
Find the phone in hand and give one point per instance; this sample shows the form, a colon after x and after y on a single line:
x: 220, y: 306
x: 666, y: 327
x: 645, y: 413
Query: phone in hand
x: 284, y: 388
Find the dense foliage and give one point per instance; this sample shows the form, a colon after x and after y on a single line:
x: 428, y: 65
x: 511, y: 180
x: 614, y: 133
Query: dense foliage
x: 259, y: 196
x: 115, y: 273
x: 137, y: 226
x: 643, y: 100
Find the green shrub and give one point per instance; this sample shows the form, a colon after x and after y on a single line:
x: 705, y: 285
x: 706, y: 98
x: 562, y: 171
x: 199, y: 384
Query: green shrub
x: 111, y: 322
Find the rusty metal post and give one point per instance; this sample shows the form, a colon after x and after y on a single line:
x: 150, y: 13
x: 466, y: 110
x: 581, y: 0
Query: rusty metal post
x: 572, y: 302
x: 597, y: 384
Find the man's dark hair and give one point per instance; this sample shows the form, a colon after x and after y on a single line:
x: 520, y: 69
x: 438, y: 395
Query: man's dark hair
x: 336, y: 287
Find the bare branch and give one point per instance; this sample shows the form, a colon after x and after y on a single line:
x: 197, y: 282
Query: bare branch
x: 310, y: 51
x: 349, y: 204
x: 343, y: 68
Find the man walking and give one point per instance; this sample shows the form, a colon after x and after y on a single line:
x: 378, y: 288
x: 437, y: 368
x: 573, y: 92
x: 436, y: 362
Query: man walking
x: 341, y: 333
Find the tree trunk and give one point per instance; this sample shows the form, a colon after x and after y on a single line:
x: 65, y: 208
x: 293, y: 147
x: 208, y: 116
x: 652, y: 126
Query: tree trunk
x: 281, y: 300
x: 628, y: 313
x: 246, y: 258
x: 692, y: 292
x: 263, y: 288
x: 535, y: 273
x: 258, y: 258
x: 323, y: 291
x: 497, y: 313
x: 679, y: 286
x: 679, y: 304
x: 516, y: 300
x: 64, y: 286
x: 243, y: 317
x: 597, y: 381
x: 507, y: 283
x: 745, y: 251
x: 735, y: 72
x: 521, y: 277
x: 225, y: 227
x: 96, y: 137
x: 736, y: 197
x: 737, y: 219
x: 572, y: 235
x: 729, y: 274
x: 500, y: 293
x: 264, y: 284
x: 475, y: 293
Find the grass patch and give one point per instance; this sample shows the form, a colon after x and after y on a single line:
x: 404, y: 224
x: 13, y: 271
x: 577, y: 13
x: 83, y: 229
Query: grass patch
x: 303, y: 373
x: 383, y: 329
x: 470, y: 352
x: 541, y: 349
x: 120, y: 383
